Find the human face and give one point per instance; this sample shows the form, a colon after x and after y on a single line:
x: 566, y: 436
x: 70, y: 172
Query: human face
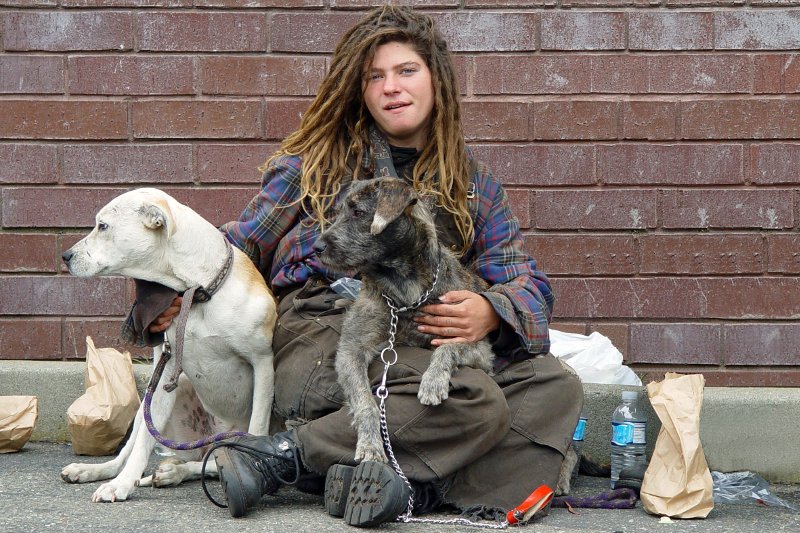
x: 398, y: 92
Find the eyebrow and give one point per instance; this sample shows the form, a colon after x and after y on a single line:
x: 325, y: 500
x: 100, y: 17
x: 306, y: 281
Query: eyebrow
x: 398, y: 66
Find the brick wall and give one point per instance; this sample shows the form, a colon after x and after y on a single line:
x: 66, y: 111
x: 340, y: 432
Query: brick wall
x: 651, y: 150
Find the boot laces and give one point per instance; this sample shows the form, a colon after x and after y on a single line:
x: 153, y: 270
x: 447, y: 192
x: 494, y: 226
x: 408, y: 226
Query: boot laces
x: 261, y: 462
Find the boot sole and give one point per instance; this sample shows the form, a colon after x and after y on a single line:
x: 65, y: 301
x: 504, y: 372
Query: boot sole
x: 366, y: 495
x: 233, y: 493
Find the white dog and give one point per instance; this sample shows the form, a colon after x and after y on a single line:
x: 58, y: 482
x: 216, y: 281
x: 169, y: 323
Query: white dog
x: 227, y: 362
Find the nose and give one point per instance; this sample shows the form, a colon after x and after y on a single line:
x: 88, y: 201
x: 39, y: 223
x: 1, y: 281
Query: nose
x: 66, y: 256
x: 319, y: 246
x: 390, y: 85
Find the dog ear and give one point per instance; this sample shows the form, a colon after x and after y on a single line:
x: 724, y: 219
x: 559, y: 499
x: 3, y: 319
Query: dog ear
x: 393, y: 199
x: 157, y: 216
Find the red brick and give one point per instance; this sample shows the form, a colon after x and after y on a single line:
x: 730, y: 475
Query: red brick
x: 480, y: 31
x: 682, y: 343
x: 31, y: 74
x: 30, y: 339
x: 616, y: 333
x: 607, y: 209
x: 29, y: 3
x: 784, y: 253
x: 540, y: 165
x: 24, y: 206
x: 280, y: 75
x: 790, y: 67
x: 231, y: 163
x: 583, y: 255
x: 201, y: 32
x: 576, y: 30
x: 62, y: 295
x: 218, y: 205
x: 27, y: 252
x: 520, y: 201
x: 665, y: 298
x: 768, y: 72
x: 569, y: 327
x: 757, y: 29
x: 63, y: 119
x: 126, y: 3
x: 618, y: 74
x: 761, y: 344
x: 131, y: 75
x: 364, y: 4
x: 576, y: 119
x: 740, y: 119
x: 702, y: 73
x: 655, y: 120
x: 282, y: 117
x: 282, y: 4
x: 658, y: 164
x: 311, y: 32
x: 28, y: 163
x: 756, y: 298
x: 775, y: 163
x: 717, y: 208
x: 664, y: 30
x: 461, y: 66
x: 59, y: 31
x: 526, y: 74
x: 757, y: 377
x: 127, y: 164
x: 104, y: 333
x: 209, y: 119
x: 495, y: 121
x: 725, y: 253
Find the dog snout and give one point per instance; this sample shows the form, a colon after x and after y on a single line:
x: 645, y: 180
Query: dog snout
x: 66, y: 256
x: 320, y: 246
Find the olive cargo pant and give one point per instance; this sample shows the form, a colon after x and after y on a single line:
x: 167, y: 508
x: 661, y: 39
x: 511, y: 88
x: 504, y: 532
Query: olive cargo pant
x: 494, y: 440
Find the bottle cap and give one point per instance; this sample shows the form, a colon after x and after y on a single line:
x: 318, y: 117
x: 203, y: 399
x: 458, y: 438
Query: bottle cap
x: 630, y: 395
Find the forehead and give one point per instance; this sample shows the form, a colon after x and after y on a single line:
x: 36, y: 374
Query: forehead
x: 391, y: 54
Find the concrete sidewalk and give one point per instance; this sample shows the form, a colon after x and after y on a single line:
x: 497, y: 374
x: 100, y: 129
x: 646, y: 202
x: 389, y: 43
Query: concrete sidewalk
x: 741, y: 428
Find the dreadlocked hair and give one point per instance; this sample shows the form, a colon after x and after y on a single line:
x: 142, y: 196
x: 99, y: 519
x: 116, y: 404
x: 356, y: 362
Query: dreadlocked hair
x: 332, y: 139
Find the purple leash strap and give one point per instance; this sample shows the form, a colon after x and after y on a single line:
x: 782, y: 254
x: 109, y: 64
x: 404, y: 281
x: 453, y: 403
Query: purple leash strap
x: 148, y: 419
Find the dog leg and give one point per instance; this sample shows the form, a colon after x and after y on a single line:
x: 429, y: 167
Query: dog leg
x: 564, y: 477
x: 87, y: 472
x: 122, y: 486
x: 435, y: 383
x: 263, y: 382
x: 174, y: 471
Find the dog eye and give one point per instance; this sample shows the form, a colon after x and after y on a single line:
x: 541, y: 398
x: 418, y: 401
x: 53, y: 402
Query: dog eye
x: 102, y: 226
x: 358, y: 213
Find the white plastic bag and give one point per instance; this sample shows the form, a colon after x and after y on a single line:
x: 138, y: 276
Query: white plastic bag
x: 593, y: 357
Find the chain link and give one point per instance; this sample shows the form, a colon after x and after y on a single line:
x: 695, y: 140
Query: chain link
x: 389, y: 357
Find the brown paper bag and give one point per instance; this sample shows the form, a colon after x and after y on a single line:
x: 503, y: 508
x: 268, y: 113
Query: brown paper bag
x: 17, y: 418
x: 100, y: 418
x: 677, y: 482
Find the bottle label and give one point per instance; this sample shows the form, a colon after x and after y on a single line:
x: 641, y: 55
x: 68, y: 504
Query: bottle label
x: 580, y: 430
x: 624, y: 433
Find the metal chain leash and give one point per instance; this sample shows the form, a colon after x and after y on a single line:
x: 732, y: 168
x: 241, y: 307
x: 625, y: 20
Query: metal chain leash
x: 389, y: 357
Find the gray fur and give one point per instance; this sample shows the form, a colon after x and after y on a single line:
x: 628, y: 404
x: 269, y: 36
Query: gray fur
x: 384, y: 232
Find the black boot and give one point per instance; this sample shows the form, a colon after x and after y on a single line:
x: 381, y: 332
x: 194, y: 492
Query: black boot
x: 366, y: 495
x: 250, y: 467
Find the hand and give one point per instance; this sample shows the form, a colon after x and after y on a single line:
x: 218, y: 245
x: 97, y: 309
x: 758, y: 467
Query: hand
x: 463, y: 316
x: 164, y: 320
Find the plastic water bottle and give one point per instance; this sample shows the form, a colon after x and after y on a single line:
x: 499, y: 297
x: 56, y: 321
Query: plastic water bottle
x: 628, y: 439
x: 577, y: 443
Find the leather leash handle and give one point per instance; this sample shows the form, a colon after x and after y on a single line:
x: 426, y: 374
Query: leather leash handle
x: 523, y: 512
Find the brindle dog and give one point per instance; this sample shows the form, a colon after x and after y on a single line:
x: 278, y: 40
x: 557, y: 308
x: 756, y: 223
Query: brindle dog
x: 385, y: 232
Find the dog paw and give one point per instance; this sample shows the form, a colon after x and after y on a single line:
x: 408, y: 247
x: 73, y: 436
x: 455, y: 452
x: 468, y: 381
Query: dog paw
x: 433, y: 390
x: 168, y: 474
x: 370, y: 453
x: 79, y: 473
x: 112, y: 491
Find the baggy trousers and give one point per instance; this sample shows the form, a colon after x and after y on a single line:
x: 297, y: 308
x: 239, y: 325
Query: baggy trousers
x: 490, y: 443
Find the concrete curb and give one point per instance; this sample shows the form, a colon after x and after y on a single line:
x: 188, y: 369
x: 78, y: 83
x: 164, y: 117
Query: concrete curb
x: 741, y: 428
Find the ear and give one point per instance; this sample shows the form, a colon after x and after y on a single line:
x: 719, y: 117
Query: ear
x: 394, y: 196
x: 157, y: 216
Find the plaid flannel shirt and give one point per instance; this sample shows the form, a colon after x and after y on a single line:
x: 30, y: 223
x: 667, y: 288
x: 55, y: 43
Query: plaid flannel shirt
x: 277, y: 234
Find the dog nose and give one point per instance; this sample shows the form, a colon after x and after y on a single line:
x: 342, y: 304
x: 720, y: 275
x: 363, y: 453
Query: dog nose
x: 319, y: 245
x: 66, y: 256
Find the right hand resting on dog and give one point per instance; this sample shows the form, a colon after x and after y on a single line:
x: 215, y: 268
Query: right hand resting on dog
x: 164, y: 320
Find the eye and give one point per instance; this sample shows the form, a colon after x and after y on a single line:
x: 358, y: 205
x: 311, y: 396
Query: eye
x: 358, y: 213
x: 407, y: 71
x: 102, y: 226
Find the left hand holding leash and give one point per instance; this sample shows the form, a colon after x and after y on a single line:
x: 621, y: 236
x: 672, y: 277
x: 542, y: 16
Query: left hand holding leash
x: 463, y: 316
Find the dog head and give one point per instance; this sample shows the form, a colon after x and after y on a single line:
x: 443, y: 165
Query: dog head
x: 127, y: 234
x: 378, y: 221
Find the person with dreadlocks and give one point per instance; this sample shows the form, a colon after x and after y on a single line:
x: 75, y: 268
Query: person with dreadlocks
x: 391, y: 89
